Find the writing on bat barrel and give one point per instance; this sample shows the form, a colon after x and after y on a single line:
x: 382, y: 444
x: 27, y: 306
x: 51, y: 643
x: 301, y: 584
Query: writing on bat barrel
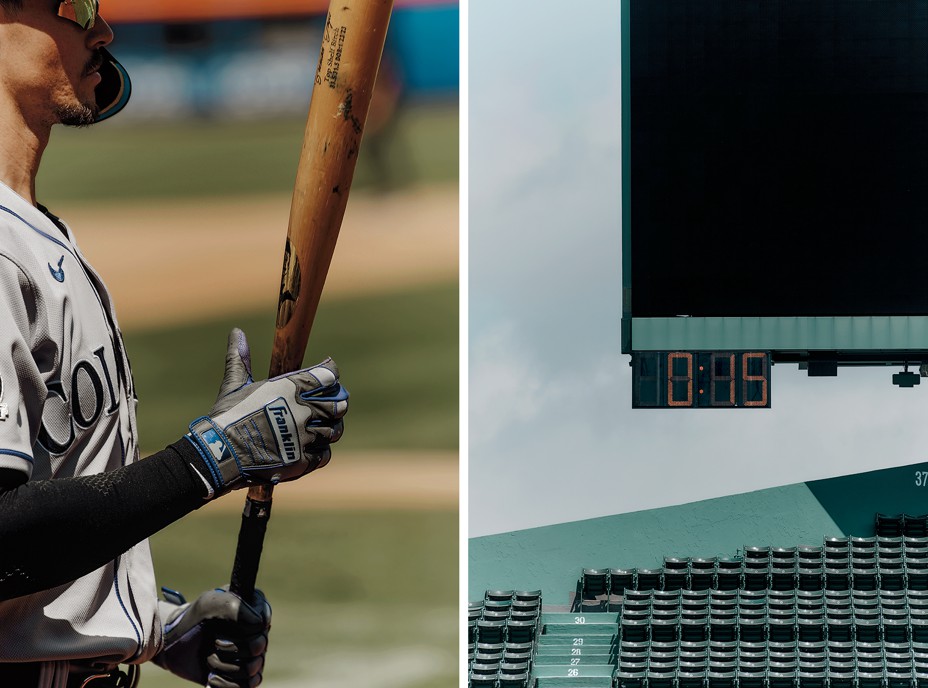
x: 330, y: 55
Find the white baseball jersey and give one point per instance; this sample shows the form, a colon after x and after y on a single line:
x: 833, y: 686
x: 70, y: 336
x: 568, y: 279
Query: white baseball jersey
x: 70, y: 411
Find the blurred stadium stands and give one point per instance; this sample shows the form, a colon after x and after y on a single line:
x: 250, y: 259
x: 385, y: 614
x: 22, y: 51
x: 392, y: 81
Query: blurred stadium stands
x: 252, y: 60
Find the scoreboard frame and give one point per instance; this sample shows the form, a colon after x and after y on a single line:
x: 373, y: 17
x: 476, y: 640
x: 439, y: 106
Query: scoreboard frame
x: 838, y: 340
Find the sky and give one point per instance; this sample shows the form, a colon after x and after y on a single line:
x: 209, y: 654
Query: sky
x: 552, y: 435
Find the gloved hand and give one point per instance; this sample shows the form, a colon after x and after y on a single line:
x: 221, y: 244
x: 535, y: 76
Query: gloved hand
x: 218, y: 641
x: 268, y: 431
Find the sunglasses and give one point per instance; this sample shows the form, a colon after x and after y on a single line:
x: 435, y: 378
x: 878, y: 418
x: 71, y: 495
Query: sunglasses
x: 81, y: 12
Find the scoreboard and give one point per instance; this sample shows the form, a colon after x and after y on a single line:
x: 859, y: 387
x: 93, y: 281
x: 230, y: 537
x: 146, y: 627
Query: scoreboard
x: 775, y: 186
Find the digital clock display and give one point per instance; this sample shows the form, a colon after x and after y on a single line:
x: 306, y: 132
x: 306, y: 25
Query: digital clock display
x: 701, y: 379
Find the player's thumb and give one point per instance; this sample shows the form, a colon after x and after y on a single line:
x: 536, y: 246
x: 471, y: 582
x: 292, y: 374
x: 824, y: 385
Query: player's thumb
x: 238, y: 364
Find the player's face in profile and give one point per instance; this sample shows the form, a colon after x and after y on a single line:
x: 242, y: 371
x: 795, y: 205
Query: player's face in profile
x: 48, y: 63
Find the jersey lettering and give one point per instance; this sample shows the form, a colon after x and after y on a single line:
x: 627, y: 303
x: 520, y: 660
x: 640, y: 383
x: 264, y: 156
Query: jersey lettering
x: 81, y: 408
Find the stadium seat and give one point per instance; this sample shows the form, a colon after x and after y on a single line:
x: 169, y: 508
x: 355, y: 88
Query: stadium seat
x: 863, y: 577
x: 702, y: 574
x: 499, y: 595
x: 676, y: 573
x: 665, y: 629
x: 490, y: 631
x: 594, y: 590
x: 485, y: 669
x: 520, y: 632
x: 649, y: 579
x: 629, y: 679
x: 474, y: 610
x: 836, y: 551
x: 513, y: 680
x: 477, y: 680
x: 621, y: 580
x: 862, y: 547
x: 527, y: 596
x: 729, y: 574
x: 888, y: 526
x: 720, y: 679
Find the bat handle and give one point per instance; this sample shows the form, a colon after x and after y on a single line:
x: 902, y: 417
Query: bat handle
x: 255, y: 515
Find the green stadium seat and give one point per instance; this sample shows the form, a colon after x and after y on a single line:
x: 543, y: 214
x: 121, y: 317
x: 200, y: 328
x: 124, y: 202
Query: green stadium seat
x: 511, y: 668
x: 513, y: 680
x: 630, y: 679
x: 752, y: 629
x: 810, y: 579
x: 676, y: 573
x: 484, y: 658
x: 474, y: 610
x: 517, y: 652
x: 498, y: 595
x: 702, y: 573
x: 527, y: 596
x: 665, y: 629
x: 694, y: 678
x: 863, y: 577
x: 721, y: 629
x: 649, y: 579
x: 890, y: 526
x: 840, y: 678
x: 783, y: 566
x: 756, y: 576
x: 482, y: 680
x: 862, y: 547
x: 729, y: 574
x: 752, y: 678
x: 836, y: 552
x: 720, y: 679
x: 594, y: 590
x: 635, y: 630
x: 485, y: 668
x: 781, y: 676
x: 812, y: 678
x: 492, y: 632
x: 810, y: 627
x: 621, y: 580
x: 520, y: 632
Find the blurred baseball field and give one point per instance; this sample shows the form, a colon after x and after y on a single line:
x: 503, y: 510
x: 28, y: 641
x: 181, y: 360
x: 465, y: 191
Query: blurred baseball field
x: 186, y: 223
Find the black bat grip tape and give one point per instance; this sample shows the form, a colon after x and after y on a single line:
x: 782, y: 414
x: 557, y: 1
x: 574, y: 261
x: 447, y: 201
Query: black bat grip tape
x: 255, y: 516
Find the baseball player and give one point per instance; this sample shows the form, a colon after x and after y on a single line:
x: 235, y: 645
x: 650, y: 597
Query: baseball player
x: 77, y: 589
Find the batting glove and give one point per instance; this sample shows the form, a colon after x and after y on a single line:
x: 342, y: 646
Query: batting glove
x: 268, y: 431
x: 218, y: 641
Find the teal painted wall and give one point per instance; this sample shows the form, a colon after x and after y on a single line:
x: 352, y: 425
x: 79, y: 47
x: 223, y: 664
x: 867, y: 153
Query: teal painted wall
x: 552, y: 557
x: 853, y: 500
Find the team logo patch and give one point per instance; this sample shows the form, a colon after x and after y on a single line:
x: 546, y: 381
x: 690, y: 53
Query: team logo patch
x: 284, y: 429
x: 59, y: 273
x: 217, y: 446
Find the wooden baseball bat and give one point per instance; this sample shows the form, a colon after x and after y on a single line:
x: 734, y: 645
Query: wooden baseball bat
x: 352, y: 43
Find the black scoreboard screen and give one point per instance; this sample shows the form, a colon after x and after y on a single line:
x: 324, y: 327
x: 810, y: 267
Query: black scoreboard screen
x: 776, y: 157
x: 701, y: 379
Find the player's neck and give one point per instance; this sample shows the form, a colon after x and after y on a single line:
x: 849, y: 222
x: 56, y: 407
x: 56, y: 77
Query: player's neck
x: 21, y: 149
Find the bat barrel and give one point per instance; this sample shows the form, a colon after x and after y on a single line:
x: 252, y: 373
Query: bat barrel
x: 352, y: 44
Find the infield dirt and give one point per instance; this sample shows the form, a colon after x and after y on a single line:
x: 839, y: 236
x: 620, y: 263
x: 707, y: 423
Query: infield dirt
x: 168, y: 262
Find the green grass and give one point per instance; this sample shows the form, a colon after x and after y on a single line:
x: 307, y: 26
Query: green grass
x: 354, y: 593
x: 398, y: 353
x: 206, y: 158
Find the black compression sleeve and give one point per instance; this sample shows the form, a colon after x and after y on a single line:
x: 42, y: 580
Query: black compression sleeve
x: 55, y: 531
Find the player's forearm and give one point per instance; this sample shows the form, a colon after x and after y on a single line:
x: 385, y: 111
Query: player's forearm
x: 55, y: 531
